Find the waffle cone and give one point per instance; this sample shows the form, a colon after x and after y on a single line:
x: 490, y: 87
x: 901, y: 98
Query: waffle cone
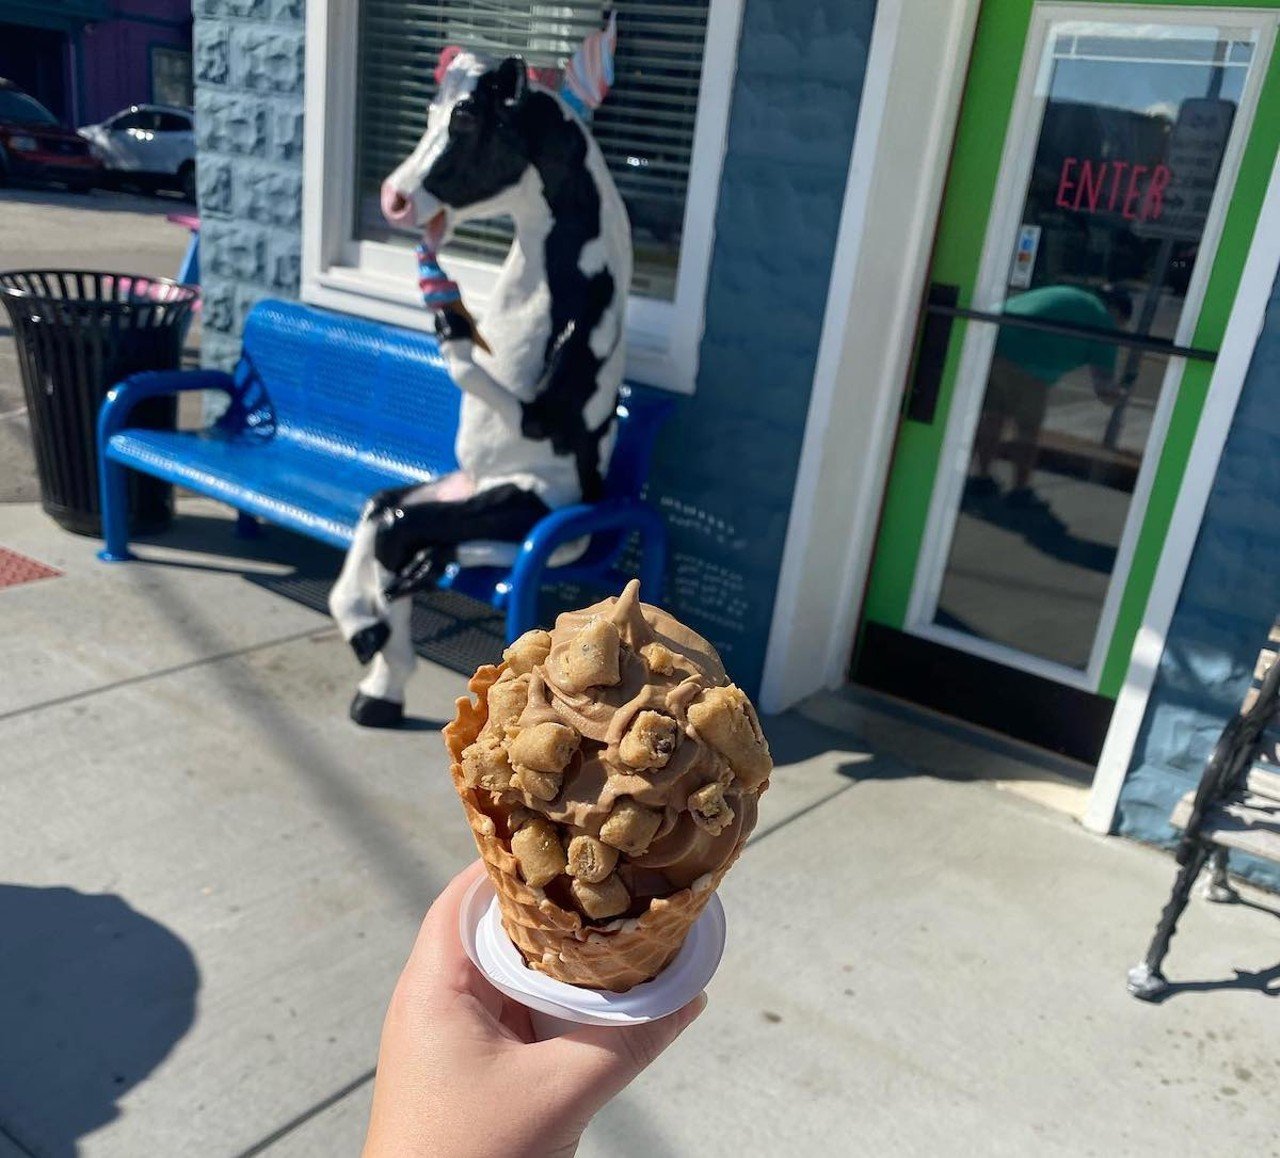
x: 553, y: 940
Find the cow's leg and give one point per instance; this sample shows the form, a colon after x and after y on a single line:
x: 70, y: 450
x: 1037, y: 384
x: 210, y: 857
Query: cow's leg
x: 354, y: 601
x: 379, y: 702
x: 410, y: 536
x: 357, y: 601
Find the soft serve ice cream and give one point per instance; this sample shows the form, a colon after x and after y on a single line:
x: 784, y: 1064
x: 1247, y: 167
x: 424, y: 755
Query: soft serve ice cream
x: 611, y: 775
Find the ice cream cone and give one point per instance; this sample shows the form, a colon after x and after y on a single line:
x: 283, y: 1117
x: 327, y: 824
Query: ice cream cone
x: 610, y: 774
x: 553, y: 940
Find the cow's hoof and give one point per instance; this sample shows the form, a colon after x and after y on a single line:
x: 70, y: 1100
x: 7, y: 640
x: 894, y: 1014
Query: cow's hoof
x: 368, y: 641
x: 371, y: 712
x: 1147, y: 984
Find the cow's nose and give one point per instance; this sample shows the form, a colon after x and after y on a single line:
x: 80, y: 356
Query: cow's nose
x: 396, y: 207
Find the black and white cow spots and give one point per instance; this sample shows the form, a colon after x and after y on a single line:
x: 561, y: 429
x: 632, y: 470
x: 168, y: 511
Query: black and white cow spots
x: 535, y: 429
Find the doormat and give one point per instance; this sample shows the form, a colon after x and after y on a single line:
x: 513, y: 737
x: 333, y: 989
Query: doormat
x: 15, y: 569
x: 453, y: 630
x: 448, y: 629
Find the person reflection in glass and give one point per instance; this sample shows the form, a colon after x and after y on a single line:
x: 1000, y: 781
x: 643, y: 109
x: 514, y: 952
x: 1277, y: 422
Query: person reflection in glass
x: 1026, y: 365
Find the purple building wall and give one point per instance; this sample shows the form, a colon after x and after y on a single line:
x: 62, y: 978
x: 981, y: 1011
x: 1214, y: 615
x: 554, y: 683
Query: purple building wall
x: 117, y: 63
x: 86, y: 59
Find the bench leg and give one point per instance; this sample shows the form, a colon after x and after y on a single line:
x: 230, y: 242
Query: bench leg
x: 247, y: 526
x: 1146, y: 981
x: 113, y: 485
x: 522, y: 607
x: 1218, y: 888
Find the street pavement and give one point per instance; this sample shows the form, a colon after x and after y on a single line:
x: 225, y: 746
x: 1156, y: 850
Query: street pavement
x: 51, y: 229
x: 211, y: 877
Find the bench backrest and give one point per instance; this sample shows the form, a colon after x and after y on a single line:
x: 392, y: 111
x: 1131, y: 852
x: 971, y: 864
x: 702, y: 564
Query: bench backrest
x: 374, y: 392
x: 383, y: 394
x: 1269, y: 741
x: 641, y: 413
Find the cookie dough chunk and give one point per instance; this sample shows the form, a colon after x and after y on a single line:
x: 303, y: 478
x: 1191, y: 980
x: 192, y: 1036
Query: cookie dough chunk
x: 710, y: 810
x: 507, y: 699
x: 537, y: 849
x: 530, y: 650
x: 545, y: 747
x: 630, y: 827
x: 485, y: 765
x: 519, y: 816
x: 591, y: 659
x: 539, y: 785
x: 649, y: 741
x: 660, y: 659
x: 723, y: 717
x: 608, y: 898
x: 591, y: 860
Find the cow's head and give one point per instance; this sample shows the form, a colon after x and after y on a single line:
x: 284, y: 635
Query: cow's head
x: 471, y: 158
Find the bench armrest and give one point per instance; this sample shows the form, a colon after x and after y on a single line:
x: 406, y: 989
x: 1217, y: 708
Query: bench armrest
x: 124, y: 396
x: 573, y: 522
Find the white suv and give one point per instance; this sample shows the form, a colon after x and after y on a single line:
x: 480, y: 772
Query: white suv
x: 149, y: 145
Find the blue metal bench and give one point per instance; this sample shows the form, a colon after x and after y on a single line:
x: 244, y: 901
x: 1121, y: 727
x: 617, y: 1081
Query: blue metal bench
x: 327, y: 409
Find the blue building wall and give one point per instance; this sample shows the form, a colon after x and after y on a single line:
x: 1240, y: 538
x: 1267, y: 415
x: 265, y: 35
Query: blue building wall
x: 1229, y: 599
x: 726, y: 467
x: 249, y: 80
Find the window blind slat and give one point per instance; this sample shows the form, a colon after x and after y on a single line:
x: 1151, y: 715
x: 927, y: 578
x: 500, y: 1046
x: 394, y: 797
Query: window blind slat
x: 644, y: 129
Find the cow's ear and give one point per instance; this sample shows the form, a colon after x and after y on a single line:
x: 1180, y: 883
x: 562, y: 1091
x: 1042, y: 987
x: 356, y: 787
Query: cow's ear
x: 512, y: 80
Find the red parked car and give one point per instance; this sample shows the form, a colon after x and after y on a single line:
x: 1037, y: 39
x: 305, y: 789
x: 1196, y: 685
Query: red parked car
x: 35, y: 146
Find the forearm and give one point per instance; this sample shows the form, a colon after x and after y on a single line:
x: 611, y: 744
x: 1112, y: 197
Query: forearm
x: 479, y: 383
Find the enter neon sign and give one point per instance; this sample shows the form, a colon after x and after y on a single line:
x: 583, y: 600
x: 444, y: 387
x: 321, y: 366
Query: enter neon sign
x: 1135, y: 191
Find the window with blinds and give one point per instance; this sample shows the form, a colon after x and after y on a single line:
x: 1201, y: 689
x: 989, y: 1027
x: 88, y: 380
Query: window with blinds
x: 644, y: 127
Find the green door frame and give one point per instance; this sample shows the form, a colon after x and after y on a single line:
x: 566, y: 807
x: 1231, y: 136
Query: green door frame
x: 987, y: 106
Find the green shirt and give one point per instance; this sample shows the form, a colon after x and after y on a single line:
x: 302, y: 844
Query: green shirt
x: 1050, y: 356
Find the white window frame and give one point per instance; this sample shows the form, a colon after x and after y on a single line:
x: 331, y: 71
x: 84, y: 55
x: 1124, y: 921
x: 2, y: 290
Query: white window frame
x: 377, y: 280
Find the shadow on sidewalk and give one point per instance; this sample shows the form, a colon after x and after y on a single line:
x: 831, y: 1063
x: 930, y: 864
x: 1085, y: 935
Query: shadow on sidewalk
x: 1264, y: 981
x: 451, y: 630
x: 93, y: 996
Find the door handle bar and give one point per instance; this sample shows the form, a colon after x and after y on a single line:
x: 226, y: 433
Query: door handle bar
x: 1115, y: 337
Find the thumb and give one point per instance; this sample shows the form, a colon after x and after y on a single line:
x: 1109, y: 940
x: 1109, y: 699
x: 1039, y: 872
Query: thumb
x: 595, y: 1062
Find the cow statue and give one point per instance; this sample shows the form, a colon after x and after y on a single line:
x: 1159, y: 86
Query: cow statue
x: 539, y: 387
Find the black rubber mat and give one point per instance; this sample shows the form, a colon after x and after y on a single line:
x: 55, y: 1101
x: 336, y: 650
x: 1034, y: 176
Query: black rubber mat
x: 452, y: 630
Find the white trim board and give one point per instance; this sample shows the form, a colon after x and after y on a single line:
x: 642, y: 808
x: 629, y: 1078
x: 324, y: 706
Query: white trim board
x: 378, y: 281
x: 902, y: 145
x: 1245, y: 324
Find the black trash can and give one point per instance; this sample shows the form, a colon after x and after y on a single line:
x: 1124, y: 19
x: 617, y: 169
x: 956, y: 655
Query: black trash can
x: 78, y: 334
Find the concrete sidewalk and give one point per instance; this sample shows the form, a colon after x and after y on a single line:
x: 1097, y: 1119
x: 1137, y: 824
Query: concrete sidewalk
x: 209, y: 879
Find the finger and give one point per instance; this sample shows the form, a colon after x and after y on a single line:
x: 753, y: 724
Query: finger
x: 594, y: 1063
x: 515, y: 1018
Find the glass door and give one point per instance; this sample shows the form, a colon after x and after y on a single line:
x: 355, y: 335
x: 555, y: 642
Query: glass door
x: 1063, y: 356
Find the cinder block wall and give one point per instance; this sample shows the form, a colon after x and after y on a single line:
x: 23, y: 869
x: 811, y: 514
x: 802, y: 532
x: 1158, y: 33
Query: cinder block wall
x: 725, y: 470
x: 249, y: 102
x: 1228, y: 601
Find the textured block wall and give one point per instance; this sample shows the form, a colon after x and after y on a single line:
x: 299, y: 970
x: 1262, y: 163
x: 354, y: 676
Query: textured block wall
x: 1228, y: 601
x: 249, y: 103
x: 726, y: 468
